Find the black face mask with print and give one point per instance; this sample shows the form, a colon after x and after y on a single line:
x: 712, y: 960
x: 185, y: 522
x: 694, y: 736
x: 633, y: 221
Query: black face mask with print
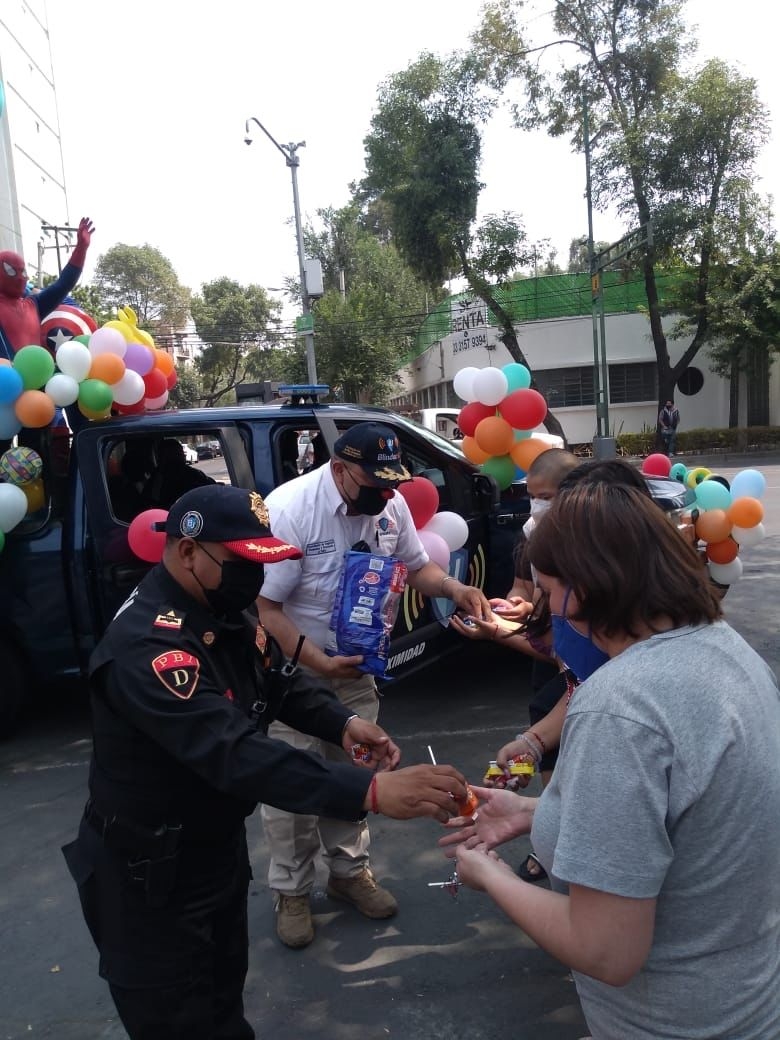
x: 370, y: 501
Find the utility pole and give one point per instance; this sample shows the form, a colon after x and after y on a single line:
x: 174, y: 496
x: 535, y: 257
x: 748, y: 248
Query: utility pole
x: 304, y: 324
x: 595, y: 278
x: 58, y: 230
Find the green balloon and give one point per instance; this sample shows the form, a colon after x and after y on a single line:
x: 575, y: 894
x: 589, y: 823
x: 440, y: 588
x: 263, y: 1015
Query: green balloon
x: 502, y: 468
x: 2, y: 540
x: 35, y: 365
x: 95, y: 395
x: 82, y: 339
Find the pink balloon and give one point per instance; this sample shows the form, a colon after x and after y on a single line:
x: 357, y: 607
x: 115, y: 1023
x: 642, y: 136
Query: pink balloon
x: 421, y: 497
x: 146, y: 543
x: 657, y: 465
x: 436, y: 547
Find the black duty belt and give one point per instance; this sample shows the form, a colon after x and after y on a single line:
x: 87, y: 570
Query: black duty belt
x: 123, y: 835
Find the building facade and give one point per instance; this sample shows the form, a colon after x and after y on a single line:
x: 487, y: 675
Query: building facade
x: 555, y: 330
x: 32, y: 179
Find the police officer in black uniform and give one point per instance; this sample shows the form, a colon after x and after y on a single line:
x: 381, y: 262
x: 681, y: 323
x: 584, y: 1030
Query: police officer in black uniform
x: 181, y: 701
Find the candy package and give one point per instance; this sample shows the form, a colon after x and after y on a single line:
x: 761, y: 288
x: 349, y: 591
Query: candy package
x: 366, y: 607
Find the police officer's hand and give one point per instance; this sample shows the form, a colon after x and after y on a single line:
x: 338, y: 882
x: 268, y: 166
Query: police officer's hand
x: 417, y: 791
x: 339, y: 667
x: 384, y: 753
x: 470, y: 600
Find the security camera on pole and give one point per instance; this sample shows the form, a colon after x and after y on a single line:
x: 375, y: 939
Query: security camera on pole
x: 311, y: 287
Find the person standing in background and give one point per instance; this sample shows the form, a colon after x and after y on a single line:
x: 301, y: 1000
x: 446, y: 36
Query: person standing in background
x: 669, y: 420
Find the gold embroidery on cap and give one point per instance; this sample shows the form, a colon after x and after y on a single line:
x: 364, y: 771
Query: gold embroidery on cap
x: 259, y: 508
x: 390, y: 474
x: 265, y: 549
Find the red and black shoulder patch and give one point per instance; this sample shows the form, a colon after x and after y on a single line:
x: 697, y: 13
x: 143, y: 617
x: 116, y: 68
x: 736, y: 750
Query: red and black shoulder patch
x: 178, y: 671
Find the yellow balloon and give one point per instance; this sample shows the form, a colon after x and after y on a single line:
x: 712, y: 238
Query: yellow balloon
x: 35, y: 493
x: 90, y: 413
x: 145, y: 338
x: 696, y: 476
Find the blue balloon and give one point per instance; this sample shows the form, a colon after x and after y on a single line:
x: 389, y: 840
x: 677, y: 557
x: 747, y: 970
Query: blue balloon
x: 711, y: 494
x: 748, y: 483
x: 522, y: 435
x: 11, y: 384
x: 679, y: 471
x: 517, y: 376
x: 9, y: 424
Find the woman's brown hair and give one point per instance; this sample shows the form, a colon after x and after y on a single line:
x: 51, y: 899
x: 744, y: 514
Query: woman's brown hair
x: 624, y: 559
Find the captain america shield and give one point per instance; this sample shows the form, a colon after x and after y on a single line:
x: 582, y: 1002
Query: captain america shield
x: 65, y: 323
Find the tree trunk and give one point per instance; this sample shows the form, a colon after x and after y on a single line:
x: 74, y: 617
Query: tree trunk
x: 734, y: 394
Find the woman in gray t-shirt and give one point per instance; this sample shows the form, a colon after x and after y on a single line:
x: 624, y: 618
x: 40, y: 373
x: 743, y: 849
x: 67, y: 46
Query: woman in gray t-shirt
x: 661, y: 827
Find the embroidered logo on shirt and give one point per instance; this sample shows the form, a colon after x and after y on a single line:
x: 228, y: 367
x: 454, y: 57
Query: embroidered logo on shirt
x: 328, y: 545
x: 178, y: 671
x: 168, y: 620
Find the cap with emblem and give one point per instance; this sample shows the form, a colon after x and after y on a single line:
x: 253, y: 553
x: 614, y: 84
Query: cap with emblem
x: 376, y: 449
x: 234, y: 517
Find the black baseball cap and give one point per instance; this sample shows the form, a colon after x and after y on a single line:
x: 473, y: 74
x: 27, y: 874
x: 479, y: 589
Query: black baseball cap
x: 376, y: 449
x: 234, y: 517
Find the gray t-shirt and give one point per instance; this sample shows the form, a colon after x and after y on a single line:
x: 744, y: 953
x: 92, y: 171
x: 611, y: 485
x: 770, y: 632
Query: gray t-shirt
x: 668, y: 786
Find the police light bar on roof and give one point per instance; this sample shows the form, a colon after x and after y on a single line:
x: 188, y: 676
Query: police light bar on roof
x: 300, y: 393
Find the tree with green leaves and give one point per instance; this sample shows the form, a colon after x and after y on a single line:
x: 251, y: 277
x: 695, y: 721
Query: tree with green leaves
x: 668, y: 146
x: 142, y: 278
x: 373, y: 305
x: 188, y: 392
x: 239, y: 325
x: 422, y: 162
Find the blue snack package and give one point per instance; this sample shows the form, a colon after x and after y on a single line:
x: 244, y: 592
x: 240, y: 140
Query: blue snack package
x: 366, y: 607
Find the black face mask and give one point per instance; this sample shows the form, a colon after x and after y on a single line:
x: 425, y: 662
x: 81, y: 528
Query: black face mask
x: 238, y: 588
x: 369, y: 501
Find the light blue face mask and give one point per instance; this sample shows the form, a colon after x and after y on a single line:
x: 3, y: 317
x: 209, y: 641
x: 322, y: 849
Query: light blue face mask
x: 577, y: 652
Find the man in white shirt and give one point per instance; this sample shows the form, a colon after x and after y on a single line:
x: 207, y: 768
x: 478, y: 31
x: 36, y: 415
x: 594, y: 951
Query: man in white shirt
x: 326, y: 512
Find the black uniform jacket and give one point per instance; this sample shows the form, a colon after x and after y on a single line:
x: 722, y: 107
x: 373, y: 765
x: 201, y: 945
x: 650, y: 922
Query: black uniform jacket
x: 181, y: 702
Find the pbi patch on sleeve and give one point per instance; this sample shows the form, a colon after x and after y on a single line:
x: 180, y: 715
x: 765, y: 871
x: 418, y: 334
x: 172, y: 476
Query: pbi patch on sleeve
x: 178, y: 671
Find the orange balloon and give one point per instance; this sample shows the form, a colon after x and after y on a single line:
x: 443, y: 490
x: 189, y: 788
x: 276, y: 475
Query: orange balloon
x: 722, y: 552
x: 4, y: 361
x: 164, y: 361
x: 523, y: 453
x: 473, y: 452
x: 494, y: 435
x: 744, y: 512
x: 108, y: 367
x: 713, y: 526
x: 34, y: 408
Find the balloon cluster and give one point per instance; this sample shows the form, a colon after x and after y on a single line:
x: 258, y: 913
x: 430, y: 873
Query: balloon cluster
x: 22, y: 489
x: 116, y: 367
x: 498, y: 420
x: 727, y: 516
x: 440, y: 533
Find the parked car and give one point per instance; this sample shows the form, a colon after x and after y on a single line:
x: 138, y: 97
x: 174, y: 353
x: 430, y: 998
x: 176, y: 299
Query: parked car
x: 67, y: 568
x: 190, y: 455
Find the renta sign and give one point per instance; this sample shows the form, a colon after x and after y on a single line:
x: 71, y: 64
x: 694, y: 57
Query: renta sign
x: 470, y: 325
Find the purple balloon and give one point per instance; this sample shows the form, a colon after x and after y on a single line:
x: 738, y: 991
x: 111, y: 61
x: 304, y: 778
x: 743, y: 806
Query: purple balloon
x: 139, y: 358
x: 436, y: 547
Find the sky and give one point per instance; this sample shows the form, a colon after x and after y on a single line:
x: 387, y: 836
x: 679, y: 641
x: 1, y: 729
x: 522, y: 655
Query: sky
x: 153, y: 96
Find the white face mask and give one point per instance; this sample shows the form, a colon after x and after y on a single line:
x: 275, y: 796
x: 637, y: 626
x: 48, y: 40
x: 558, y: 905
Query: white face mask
x: 539, y: 506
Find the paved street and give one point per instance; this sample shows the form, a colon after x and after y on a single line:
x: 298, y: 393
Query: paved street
x: 442, y: 968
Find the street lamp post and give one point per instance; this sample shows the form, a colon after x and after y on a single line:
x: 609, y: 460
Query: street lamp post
x: 290, y: 153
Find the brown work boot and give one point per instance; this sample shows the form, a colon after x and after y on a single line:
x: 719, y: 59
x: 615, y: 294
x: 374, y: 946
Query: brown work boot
x: 364, y: 894
x: 293, y: 920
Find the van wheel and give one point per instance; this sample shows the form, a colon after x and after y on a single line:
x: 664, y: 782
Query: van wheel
x: 11, y: 689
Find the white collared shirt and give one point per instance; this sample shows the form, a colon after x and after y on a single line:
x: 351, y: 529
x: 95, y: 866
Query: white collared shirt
x: 309, y: 512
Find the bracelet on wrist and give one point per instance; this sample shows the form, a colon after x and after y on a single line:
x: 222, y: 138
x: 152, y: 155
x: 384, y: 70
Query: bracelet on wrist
x: 346, y: 724
x: 373, y: 794
x: 535, y: 735
x: 444, y: 580
x: 533, y: 747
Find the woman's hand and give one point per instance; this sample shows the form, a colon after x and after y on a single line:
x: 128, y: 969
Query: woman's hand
x: 476, y: 865
x: 500, y: 817
x: 515, y: 608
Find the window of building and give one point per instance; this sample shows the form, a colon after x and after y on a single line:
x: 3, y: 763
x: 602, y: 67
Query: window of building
x: 566, y: 387
x: 633, y: 382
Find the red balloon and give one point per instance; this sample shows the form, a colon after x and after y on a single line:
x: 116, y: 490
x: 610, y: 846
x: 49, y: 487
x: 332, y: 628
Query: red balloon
x: 523, y: 409
x: 471, y: 415
x: 657, y: 465
x: 156, y: 383
x: 146, y: 543
x: 421, y: 497
x: 130, y: 409
x: 172, y: 379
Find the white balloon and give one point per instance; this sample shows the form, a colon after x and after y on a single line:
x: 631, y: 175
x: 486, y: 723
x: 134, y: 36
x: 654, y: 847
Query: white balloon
x: 726, y: 573
x: 62, y: 389
x: 107, y: 341
x: 463, y: 383
x: 747, y: 536
x: 451, y: 527
x: 13, y: 506
x: 490, y: 386
x: 130, y: 388
x: 75, y: 360
x: 154, y: 404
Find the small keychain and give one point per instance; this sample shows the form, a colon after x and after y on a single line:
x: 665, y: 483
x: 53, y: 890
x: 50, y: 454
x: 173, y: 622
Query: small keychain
x: 451, y: 885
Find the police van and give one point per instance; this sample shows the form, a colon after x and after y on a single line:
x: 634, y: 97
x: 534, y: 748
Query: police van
x: 66, y: 568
